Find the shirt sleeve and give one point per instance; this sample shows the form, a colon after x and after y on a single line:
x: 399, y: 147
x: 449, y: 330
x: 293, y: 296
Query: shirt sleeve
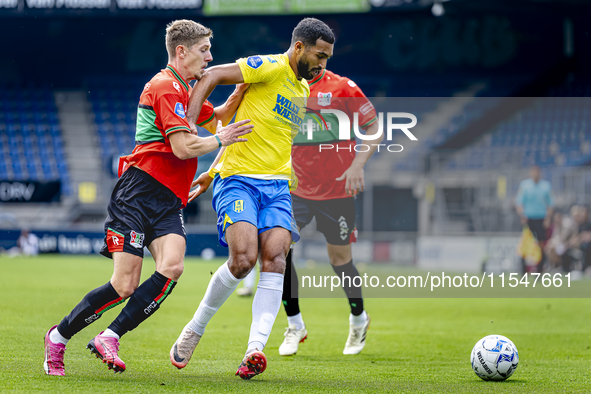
x: 359, y: 104
x: 171, y: 111
x: 259, y: 69
x: 206, y: 115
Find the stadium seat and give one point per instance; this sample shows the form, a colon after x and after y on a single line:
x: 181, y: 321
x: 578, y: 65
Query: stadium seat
x: 30, y: 136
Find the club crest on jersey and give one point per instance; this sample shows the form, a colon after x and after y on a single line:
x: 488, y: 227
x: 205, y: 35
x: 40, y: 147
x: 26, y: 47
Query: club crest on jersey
x: 137, y: 239
x: 254, y: 62
x: 176, y: 86
x: 324, y: 98
x: 179, y: 110
x: 238, y: 206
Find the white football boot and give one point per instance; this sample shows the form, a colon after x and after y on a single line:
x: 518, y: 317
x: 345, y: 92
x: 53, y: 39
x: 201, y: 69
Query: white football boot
x: 293, y: 338
x: 356, y: 341
x: 183, y: 348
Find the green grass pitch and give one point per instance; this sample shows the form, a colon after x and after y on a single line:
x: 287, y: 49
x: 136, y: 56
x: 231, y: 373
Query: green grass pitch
x: 413, y: 345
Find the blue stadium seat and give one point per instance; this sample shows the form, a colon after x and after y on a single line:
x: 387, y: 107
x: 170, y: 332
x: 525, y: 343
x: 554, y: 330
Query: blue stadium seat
x: 30, y: 135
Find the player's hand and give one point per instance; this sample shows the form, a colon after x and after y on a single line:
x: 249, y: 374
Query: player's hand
x: 354, y: 182
x: 202, y: 184
x: 193, y: 128
x: 232, y: 132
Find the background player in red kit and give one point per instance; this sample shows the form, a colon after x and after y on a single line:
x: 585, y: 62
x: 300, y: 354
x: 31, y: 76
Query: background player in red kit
x: 328, y: 182
x: 145, y: 205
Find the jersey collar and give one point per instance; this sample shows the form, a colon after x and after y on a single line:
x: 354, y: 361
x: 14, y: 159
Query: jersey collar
x: 177, y: 76
x: 318, y: 78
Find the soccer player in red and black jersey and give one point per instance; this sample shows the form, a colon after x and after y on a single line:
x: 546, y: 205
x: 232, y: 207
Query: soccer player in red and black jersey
x: 328, y: 182
x: 144, y: 209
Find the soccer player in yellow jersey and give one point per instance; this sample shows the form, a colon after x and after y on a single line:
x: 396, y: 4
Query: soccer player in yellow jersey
x: 251, y: 184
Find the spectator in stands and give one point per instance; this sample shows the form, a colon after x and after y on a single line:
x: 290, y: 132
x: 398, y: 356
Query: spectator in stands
x: 28, y: 243
x: 580, y: 244
x: 563, y: 229
x: 534, y: 207
x: 585, y: 240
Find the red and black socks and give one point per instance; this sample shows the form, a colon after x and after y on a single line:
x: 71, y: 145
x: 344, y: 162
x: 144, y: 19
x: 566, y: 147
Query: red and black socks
x: 90, y: 309
x: 143, y: 303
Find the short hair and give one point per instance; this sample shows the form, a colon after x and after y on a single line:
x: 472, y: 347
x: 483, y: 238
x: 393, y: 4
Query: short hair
x: 311, y: 29
x: 184, y: 32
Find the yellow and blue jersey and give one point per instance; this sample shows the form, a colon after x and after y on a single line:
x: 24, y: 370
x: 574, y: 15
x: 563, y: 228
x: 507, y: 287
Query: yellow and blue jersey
x: 275, y: 103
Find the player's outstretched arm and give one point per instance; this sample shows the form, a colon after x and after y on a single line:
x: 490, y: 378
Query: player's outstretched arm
x: 226, y: 112
x: 353, y: 176
x: 225, y: 74
x: 187, y: 146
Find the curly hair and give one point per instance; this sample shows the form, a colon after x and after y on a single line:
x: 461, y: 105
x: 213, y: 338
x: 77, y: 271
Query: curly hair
x: 311, y: 29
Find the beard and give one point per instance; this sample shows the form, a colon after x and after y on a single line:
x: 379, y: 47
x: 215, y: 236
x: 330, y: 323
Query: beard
x: 304, y: 69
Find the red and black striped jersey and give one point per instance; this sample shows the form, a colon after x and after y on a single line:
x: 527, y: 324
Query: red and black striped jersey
x: 317, y: 171
x: 162, y: 112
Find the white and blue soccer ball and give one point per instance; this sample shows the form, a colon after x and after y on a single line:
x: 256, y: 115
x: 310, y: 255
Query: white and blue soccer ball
x: 494, y: 357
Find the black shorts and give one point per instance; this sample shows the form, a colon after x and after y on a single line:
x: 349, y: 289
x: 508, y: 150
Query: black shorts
x: 537, y: 228
x: 334, y: 218
x: 141, y: 209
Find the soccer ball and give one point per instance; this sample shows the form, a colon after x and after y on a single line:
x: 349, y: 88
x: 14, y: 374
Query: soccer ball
x: 494, y: 357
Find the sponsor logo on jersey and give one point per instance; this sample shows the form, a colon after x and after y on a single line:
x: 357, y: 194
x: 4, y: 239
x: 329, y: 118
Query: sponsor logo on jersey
x: 364, y: 109
x: 177, y: 86
x: 324, y: 99
x: 254, y: 62
x: 179, y: 110
x: 287, y: 110
x: 238, y: 206
x: 137, y: 239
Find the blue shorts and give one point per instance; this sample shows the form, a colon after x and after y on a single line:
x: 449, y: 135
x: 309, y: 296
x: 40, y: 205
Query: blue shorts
x: 262, y: 203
